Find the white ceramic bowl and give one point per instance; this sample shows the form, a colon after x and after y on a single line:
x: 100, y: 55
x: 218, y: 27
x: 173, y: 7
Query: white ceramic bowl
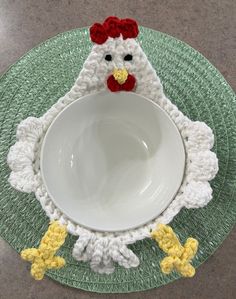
x: 112, y: 161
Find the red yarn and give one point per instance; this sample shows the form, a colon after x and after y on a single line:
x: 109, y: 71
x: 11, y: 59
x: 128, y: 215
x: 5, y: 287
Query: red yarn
x: 129, y: 28
x: 129, y: 83
x: 114, y: 86
x: 98, y: 34
x: 113, y: 27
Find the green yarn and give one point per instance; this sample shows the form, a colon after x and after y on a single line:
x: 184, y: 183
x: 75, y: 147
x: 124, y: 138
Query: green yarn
x: 38, y: 79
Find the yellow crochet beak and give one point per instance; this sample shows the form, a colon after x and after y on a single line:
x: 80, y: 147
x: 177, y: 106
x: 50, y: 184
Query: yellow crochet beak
x: 120, y: 75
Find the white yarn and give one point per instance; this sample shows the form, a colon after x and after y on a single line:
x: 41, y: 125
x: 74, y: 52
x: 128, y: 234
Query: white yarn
x: 102, y: 249
x: 197, y: 194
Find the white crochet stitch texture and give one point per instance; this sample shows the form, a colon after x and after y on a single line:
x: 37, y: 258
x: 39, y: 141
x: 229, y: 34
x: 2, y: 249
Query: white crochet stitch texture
x: 102, y: 249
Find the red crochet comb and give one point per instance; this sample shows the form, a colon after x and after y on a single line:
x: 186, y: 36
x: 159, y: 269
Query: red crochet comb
x: 113, y: 27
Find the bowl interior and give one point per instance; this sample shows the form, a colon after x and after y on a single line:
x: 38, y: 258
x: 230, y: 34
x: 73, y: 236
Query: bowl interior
x: 112, y: 161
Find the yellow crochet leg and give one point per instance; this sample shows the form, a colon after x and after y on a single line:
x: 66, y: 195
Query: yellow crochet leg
x: 179, y: 256
x: 44, y: 258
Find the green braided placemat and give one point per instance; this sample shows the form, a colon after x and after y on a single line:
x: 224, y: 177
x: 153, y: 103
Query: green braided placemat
x: 47, y: 72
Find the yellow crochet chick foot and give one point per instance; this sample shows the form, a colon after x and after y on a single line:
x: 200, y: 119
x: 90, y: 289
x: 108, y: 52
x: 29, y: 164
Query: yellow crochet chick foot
x: 43, y: 258
x: 179, y: 257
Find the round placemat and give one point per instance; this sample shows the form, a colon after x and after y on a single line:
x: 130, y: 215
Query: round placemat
x: 37, y: 80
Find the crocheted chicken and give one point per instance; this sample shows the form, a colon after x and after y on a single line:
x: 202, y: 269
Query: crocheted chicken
x: 115, y: 63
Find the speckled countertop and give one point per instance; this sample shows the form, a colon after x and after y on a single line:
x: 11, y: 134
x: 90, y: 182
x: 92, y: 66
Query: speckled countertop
x: 209, y: 27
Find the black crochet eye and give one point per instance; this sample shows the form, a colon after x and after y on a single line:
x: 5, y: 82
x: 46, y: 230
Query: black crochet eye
x: 108, y: 57
x: 128, y: 57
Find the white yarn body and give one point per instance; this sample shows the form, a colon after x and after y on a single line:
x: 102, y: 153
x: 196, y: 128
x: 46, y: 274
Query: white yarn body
x: 102, y: 249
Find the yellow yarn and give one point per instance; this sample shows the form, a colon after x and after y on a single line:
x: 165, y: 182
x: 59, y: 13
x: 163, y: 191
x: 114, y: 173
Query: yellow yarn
x: 120, y: 75
x: 44, y: 257
x: 179, y: 256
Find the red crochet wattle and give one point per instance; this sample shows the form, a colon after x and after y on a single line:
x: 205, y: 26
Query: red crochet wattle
x: 114, y: 86
x: 113, y: 27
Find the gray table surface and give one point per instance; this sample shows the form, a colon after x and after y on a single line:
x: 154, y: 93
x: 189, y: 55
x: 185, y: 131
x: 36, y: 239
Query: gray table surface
x: 208, y: 26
